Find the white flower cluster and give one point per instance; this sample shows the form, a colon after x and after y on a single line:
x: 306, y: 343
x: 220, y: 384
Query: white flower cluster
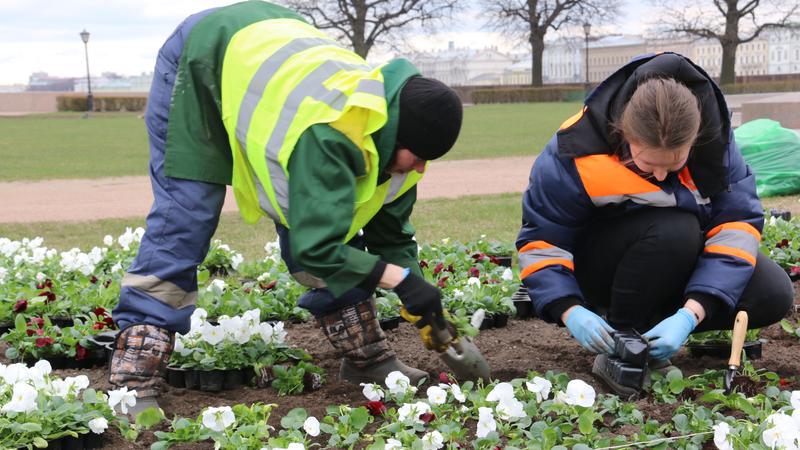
x: 237, y: 329
x: 783, y: 430
x: 26, y: 251
x: 273, y: 250
x: 85, y: 263
x: 221, y: 418
x: 30, y: 385
x: 127, y: 238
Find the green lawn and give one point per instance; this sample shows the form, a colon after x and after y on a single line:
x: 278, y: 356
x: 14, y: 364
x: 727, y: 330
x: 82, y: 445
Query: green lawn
x: 465, y: 219
x: 63, y: 145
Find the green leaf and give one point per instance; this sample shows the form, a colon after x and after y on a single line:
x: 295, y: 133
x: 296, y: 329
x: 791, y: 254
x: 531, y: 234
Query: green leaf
x: 787, y: 326
x: 31, y: 427
x: 681, y: 423
x: 149, y: 417
x: 12, y: 353
x: 38, y: 441
x: 586, y: 421
x: 359, y: 417
x: 294, y: 419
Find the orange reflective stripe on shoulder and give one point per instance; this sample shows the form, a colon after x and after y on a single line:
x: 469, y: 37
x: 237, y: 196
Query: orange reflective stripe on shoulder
x: 686, y: 179
x: 741, y: 226
x: 603, y: 175
x: 535, y: 245
x: 571, y: 121
x: 732, y: 251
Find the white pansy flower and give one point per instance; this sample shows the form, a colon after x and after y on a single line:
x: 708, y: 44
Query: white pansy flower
x: 477, y: 318
x: 3, y: 273
x: 457, y: 293
x: 40, y: 277
x: 474, y: 281
x: 122, y: 397
x: 229, y: 325
x: 216, y: 286
x: 311, y: 426
x: 502, y: 391
x: 541, y: 387
x: 436, y: 395
x: 16, y: 372
x: 393, y: 444
x: 446, y: 241
x: 486, y: 422
x: 782, y: 433
x: 580, y: 393
x: 43, y: 367
x: 795, y: 399
x: 432, y: 440
x: 252, y: 318
x: 211, y: 334
x: 721, y: 432
x: 236, y: 259
x: 108, y: 240
x: 218, y: 419
x: 372, y: 391
x: 278, y: 333
x: 116, y: 268
x: 199, y: 316
x: 398, y: 383
x: 138, y: 233
x: 510, y: 408
x: 98, y: 425
x: 457, y: 394
x: 508, y: 274
x: 126, y: 239
x: 273, y: 247
x: 413, y: 411
x: 23, y: 399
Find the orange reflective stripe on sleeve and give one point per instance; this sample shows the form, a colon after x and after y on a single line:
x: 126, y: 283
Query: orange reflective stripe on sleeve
x: 732, y: 251
x: 607, y: 181
x: 741, y: 226
x: 544, y: 263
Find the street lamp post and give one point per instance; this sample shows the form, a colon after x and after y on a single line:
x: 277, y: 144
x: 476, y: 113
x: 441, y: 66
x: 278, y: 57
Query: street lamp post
x: 587, y: 28
x: 89, y: 98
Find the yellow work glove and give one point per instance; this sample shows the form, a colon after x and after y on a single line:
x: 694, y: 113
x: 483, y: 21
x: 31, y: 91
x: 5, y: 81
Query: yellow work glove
x: 430, y: 338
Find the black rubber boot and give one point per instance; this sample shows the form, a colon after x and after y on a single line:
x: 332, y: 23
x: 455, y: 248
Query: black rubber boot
x: 354, y: 331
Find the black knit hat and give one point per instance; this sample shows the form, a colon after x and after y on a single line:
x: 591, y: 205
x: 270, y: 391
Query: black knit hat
x: 430, y: 117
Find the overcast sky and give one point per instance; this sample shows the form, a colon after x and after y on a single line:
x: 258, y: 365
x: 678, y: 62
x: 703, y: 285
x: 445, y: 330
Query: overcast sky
x: 43, y: 35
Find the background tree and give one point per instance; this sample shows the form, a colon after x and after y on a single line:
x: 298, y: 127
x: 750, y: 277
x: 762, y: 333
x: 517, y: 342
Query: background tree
x: 731, y: 22
x: 363, y: 23
x: 532, y: 19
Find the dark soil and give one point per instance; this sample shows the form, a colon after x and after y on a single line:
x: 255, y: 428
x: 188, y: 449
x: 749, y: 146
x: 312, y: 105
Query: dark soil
x: 512, y: 351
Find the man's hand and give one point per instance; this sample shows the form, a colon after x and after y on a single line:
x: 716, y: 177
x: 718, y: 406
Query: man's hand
x: 668, y: 336
x: 421, y: 298
x: 589, y: 329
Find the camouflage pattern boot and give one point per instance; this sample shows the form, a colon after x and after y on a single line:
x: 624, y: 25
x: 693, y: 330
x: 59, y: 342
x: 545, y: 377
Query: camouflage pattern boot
x: 354, y: 331
x: 139, y: 360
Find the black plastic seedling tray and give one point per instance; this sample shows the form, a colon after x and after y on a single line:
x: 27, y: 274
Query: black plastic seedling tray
x: 722, y: 350
x: 625, y: 373
x: 631, y: 347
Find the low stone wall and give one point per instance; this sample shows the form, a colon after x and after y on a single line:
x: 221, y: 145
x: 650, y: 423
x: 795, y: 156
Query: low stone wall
x: 784, y: 108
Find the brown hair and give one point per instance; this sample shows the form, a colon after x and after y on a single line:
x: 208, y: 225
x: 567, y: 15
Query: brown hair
x: 662, y: 114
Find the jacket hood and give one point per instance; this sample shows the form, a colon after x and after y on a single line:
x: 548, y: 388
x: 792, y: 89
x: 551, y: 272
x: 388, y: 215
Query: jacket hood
x: 592, y: 133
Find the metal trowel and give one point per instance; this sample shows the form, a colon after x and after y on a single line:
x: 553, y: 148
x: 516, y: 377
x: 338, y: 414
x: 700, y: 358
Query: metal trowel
x: 737, y: 343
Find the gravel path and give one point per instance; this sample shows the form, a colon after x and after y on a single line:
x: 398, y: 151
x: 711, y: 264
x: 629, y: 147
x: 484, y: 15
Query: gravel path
x: 105, y: 198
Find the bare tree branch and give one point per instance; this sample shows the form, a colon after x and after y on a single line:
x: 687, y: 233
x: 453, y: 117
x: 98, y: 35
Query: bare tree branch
x: 723, y: 23
x: 531, y: 20
x: 363, y: 24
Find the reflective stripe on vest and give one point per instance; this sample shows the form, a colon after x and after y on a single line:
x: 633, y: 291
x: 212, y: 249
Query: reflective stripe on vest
x: 537, y: 255
x: 280, y: 77
x: 607, y: 182
x: 737, y: 239
x: 688, y: 182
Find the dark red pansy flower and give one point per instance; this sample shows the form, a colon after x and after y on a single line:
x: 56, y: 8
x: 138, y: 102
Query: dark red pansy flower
x: 93, y: 280
x: 795, y: 270
x: 51, y: 297
x: 438, y: 268
x: 99, y: 311
x: 268, y: 286
x: 30, y: 331
x: 423, y: 264
x: 450, y: 269
x: 444, y: 377
x: 109, y: 322
x: 474, y: 272
x: 427, y: 418
x: 107, y: 283
x: 247, y: 290
x: 782, y: 244
x: 376, y: 408
x: 39, y: 285
x: 44, y: 341
x: 37, y: 321
x: 48, y: 283
x: 80, y: 352
x: 20, y: 306
x: 478, y: 256
x: 783, y: 382
x: 442, y: 282
x: 98, y: 325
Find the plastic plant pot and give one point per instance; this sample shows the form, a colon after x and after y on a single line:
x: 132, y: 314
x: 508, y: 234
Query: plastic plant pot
x: 784, y: 214
x: 62, y: 321
x: 488, y: 322
x: 500, y: 320
x: 176, y: 376
x: 503, y: 260
x: 390, y: 323
x: 722, y: 350
x: 211, y: 380
x: 624, y: 373
x: 92, y: 440
x: 5, y: 327
x: 234, y: 378
x: 191, y: 379
x: 72, y: 443
x: 631, y: 348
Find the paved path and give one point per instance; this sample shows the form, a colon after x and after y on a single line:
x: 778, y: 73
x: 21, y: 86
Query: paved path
x: 104, y: 198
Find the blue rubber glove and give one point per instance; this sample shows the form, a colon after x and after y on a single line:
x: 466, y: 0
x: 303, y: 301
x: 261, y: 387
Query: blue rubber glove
x: 668, y: 336
x: 590, y: 330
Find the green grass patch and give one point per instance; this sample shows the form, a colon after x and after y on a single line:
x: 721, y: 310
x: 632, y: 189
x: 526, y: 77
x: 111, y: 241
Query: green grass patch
x: 465, y: 219
x: 64, y: 145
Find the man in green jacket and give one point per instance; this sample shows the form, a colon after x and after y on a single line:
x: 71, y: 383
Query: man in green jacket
x: 251, y: 95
